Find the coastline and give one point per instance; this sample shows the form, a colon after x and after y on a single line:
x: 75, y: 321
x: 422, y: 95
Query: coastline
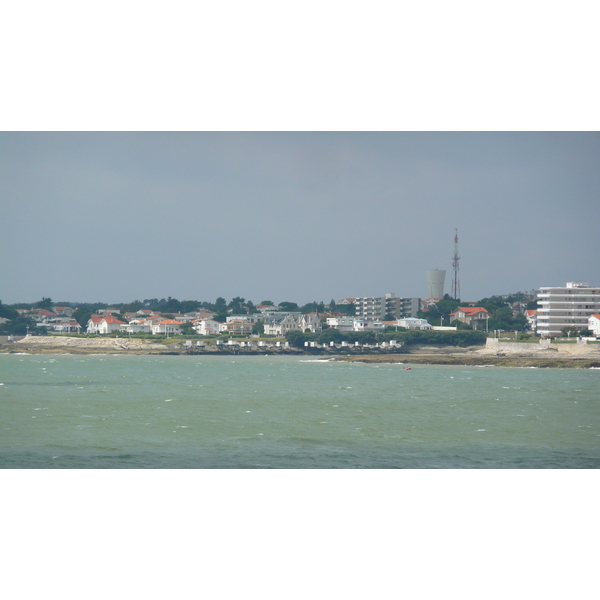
x: 474, y: 360
x: 557, y: 356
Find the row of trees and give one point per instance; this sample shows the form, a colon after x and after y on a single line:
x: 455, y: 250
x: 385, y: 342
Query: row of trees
x: 499, y: 308
x: 17, y: 325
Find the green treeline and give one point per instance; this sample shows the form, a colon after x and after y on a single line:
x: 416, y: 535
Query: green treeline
x: 499, y: 308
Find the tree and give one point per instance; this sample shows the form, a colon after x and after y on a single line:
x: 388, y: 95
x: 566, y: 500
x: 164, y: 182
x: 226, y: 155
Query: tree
x: 309, y: 308
x: 82, y: 316
x: 132, y: 307
x: 7, y: 312
x: 221, y: 316
x: 447, y: 306
x: 288, y: 307
x: 331, y: 335
x: 235, y: 306
x: 187, y: 328
x: 460, y: 325
x: 267, y: 303
x: 19, y: 325
x: 44, y: 303
x: 569, y: 330
x: 348, y: 309
x: 296, y: 338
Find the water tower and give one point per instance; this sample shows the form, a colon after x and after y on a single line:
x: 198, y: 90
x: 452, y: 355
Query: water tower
x: 435, y: 282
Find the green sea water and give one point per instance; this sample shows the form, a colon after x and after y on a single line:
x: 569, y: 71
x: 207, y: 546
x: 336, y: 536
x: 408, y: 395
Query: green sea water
x: 107, y: 411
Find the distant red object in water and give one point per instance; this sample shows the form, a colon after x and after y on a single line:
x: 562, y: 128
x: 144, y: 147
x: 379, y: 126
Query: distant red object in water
x: 407, y: 368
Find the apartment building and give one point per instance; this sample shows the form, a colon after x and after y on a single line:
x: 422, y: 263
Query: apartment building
x: 372, y: 308
x: 569, y: 306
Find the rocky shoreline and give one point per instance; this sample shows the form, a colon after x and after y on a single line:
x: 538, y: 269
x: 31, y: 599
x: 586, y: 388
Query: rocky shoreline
x: 556, y: 356
x: 474, y: 360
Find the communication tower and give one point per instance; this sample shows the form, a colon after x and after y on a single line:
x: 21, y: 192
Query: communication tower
x: 455, y: 292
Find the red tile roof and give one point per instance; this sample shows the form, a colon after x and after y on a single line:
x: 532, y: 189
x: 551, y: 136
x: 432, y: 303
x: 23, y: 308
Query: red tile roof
x: 112, y: 320
x: 471, y: 310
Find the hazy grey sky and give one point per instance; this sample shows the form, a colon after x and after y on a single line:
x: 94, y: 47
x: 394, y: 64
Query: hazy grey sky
x: 115, y: 217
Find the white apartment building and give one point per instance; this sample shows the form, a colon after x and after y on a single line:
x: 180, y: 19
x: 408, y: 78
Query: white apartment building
x: 375, y: 309
x: 569, y: 306
x: 370, y: 308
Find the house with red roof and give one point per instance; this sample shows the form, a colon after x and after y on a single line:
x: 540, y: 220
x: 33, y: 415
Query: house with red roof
x: 475, y: 316
x: 93, y: 323
x: 109, y: 324
x: 531, y: 316
x: 207, y: 326
x: 41, y: 315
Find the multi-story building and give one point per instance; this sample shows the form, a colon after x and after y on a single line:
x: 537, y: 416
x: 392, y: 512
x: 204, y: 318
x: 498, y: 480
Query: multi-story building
x: 569, y: 306
x: 371, y: 308
x: 409, y: 307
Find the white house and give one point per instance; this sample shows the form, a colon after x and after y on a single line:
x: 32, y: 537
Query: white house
x: 109, y: 324
x: 207, y: 326
x: 67, y: 327
x: 531, y: 316
x: 410, y: 323
x: 341, y: 323
x: 594, y: 324
x: 310, y: 322
x: 92, y: 324
x: 167, y: 326
x: 280, y: 325
x: 365, y: 325
x: 475, y: 316
x: 136, y: 326
x: 237, y: 327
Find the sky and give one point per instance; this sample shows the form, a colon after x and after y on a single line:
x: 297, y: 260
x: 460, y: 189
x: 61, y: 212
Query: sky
x: 294, y: 216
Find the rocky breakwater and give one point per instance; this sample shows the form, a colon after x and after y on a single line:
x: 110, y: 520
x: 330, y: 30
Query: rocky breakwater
x: 500, y: 354
x: 73, y: 345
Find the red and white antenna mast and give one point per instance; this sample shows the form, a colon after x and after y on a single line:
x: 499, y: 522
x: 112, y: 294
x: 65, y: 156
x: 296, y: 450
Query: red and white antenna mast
x: 455, y: 293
